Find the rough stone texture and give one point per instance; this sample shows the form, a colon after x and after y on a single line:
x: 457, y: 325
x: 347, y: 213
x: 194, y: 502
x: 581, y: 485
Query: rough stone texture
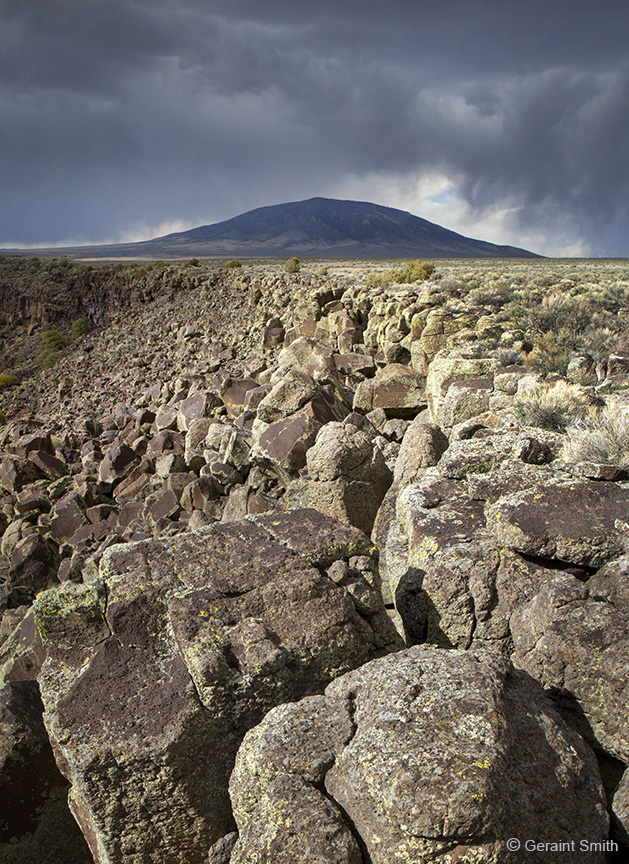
x: 575, y: 522
x: 347, y: 476
x: 309, y: 356
x: 428, y: 755
x: 398, y: 389
x: 286, y: 441
x: 422, y: 447
x: 620, y: 809
x: 450, y: 367
x: 155, y: 672
x: 294, y: 822
x: 577, y: 648
x: 287, y: 396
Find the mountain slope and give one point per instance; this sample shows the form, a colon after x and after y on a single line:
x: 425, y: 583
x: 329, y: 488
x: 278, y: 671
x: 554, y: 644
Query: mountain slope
x: 325, y: 226
x: 318, y: 227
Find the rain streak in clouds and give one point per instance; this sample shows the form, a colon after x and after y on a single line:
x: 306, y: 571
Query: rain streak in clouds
x: 126, y: 119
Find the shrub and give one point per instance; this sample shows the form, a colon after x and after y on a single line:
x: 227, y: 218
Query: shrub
x: 293, y: 265
x: 322, y: 272
x: 553, y: 406
x: 603, y: 439
x: 193, y: 262
x: 412, y: 271
x: 234, y: 263
x: 79, y: 328
x: 7, y: 380
x: 53, y: 340
x: 48, y: 358
x: 549, y: 356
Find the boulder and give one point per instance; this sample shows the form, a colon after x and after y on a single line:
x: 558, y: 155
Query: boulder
x: 347, y: 476
x: 285, y: 442
x: 397, y: 389
x: 155, y: 671
x: 579, y: 522
x: 309, y: 356
x: 117, y: 462
x: 424, y: 755
x: 576, y: 646
x: 450, y: 367
x: 288, y: 395
x: 233, y: 392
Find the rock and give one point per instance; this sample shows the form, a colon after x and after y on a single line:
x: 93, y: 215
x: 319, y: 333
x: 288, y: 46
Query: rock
x: 49, y: 465
x: 117, y: 462
x: 347, y: 477
x: 233, y: 392
x: 577, y: 647
x: 288, y: 395
x: 450, y: 367
x: 309, y: 356
x: 398, y: 389
x: 572, y: 521
x: 294, y: 821
x: 195, y: 407
x: 18, y: 472
x: 68, y: 514
x: 21, y: 653
x: 421, y: 754
x: 273, y: 334
x: 286, y: 441
x: 221, y: 851
x: 620, y: 810
x: 154, y: 674
x: 611, y: 583
x: 32, y: 565
x: 422, y: 446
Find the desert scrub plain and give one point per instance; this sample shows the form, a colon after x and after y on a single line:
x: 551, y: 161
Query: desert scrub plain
x: 301, y: 562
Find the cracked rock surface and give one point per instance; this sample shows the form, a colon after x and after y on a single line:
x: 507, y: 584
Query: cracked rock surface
x: 421, y: 756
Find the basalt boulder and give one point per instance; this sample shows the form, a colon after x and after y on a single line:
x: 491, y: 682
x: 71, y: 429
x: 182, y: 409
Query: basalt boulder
x: 156, y: 670
x: 424, y: 755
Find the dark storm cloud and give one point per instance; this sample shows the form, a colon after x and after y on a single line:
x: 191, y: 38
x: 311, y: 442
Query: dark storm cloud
x: 116, y: 115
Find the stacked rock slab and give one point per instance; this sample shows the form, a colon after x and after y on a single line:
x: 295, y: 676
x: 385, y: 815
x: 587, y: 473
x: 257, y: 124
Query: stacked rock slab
x: 156, y: 670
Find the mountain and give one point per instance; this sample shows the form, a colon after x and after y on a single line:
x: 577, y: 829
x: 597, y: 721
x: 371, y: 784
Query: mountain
x: 318, y: 228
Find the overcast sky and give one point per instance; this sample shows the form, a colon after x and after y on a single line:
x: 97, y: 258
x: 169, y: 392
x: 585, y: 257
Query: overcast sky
x: 505, y: 120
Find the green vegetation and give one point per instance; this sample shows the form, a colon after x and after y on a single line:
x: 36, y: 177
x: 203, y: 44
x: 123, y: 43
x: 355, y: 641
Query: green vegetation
x: 7, y: 380
x: 293, y: 265
x: 79, y: 328
x: 412, y: 271
x: 233, y: 264
x: 193, y: 262
x: 52, y: 343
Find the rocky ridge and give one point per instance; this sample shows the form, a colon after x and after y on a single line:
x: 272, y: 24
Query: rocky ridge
x: 289, y: 572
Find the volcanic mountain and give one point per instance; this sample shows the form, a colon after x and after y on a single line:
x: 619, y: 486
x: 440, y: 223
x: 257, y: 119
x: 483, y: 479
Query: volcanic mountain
x: 317, y: 228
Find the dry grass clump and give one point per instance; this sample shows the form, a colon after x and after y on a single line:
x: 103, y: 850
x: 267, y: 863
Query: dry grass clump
x: 603, y: 439
x: 508, y: 357
x: 553, y: 406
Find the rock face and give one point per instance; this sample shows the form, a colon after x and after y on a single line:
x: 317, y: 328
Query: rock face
x: 347, y: 476
x: 424, y: 755
x: 155, y: 671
